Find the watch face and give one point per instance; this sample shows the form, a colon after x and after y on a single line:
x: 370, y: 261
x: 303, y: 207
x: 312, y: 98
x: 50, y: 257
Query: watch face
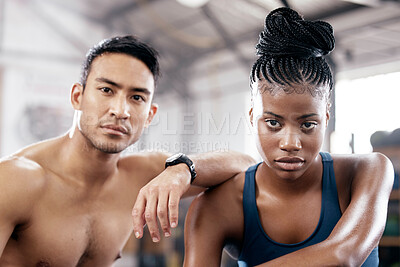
x: 174, y: 157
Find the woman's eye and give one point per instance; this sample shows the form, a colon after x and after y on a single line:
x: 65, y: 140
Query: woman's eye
x: 273, y: 123
x: 308, y: 125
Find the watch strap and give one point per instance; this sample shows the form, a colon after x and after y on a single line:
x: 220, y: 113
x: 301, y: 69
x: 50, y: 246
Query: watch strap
x: 182, y: 158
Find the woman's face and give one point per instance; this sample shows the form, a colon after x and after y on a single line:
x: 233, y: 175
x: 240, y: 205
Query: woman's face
x: 290, y: 128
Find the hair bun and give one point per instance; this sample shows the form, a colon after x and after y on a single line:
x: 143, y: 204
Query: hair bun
x: 286, y: 33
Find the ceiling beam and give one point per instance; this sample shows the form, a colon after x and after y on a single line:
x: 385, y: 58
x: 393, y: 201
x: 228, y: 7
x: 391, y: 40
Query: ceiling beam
x: 110, y: 15
x: 378, y: 56
x: 129, y: 7
x: 230, y: 43
x: 59, y: 29
x: 66, y: 5
x: 336, y: 11
x: 21, y: 56
x: 285, y: 3
x: 185, y: 62
x: 376, y: 24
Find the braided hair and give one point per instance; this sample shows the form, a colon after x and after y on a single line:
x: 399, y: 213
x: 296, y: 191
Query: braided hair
x: 291, y: 51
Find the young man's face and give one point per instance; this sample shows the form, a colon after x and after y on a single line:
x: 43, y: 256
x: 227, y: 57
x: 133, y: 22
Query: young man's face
x: 116, y: 104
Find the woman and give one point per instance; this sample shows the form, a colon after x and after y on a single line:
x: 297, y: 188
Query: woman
x: 299, y: 206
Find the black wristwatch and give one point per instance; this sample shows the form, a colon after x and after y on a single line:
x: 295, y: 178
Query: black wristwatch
x: 182, y: 158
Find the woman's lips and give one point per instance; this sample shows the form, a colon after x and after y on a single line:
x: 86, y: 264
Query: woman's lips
x: 290, y: 163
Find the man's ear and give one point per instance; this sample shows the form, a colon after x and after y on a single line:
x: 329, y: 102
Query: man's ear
x: 152, y: 113
x: 76, y: 95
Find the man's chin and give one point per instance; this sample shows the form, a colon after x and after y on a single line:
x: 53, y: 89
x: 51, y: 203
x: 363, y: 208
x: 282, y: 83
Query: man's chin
x: 111, y: 151
x: 111, y: 148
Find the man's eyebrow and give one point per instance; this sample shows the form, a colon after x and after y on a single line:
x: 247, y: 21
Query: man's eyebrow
x: 105, y: 80
x: 273, y: 114
x: 141, y: 90
x: 136, y: 89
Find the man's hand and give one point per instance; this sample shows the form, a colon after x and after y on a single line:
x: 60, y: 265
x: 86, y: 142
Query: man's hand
x: 160, y: 198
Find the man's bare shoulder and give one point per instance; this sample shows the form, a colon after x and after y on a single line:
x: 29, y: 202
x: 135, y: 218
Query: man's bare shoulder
x: 21, y: 171
x: 23, y: 182
x: 27, y: 168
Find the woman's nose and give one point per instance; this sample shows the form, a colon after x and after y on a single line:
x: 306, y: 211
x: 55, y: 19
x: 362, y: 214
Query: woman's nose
x: 290, y: 142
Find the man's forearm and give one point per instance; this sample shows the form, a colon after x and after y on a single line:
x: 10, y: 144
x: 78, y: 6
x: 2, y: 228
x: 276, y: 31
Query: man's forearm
x: 160, y: 197
x: 214, y: 168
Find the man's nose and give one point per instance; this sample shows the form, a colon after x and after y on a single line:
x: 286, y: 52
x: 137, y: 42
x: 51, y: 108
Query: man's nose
x: 119, y: 108
x: 290, y: 142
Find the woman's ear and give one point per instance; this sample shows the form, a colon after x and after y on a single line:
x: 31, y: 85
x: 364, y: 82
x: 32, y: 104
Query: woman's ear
x: 328, y: 113
x: 251, y: 115
x: 76, y: 95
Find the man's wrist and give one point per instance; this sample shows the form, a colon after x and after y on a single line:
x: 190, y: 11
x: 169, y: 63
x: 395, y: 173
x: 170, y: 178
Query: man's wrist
x: 181, y: 171
x: 180, y: 158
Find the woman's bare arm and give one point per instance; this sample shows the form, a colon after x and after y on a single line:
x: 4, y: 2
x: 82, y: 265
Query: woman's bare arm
x: 213, y: 218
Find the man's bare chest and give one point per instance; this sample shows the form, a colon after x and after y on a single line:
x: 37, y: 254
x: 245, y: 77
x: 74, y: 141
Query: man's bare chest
x: 74, y: 230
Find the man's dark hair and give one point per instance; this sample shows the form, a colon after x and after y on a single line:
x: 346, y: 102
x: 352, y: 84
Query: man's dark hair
x: 128, y: 45
x: 291, y: 50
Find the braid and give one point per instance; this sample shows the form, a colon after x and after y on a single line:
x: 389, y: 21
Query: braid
x: 307, y: 69
x: 316, y: 73
x: 279, y: 70
x: 294, y: 70
x: 291, y: 51
x: 264, y: 66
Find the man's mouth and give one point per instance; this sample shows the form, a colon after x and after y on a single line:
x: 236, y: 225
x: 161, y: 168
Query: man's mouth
x: 114, y: 129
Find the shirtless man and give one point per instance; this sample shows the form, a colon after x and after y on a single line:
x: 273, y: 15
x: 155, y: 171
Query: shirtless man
x: 68, y: 201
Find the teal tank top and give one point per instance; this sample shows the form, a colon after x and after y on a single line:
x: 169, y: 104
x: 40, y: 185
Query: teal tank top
x: 258, y: 248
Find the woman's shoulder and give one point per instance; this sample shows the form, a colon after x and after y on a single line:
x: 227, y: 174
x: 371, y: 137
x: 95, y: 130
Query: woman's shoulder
x: 219, y: 210
x: 232, y: 189
x: 356, y: 162
x: 222, y: 201
x: 357, y: 170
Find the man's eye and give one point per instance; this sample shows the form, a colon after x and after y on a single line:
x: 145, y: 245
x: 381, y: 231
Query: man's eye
x: 106, y: 90
x: 138, y: 97
x: 273, y: 123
